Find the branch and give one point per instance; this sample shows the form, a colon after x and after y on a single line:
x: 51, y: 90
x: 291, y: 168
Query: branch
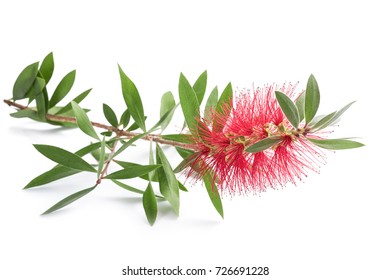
x: 150, y: 137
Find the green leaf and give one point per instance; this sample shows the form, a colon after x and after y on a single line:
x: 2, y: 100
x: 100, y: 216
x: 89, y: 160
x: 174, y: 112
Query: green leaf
x: 150, y: 204
x: 223, y: 108
x: 128, y: 143
x: 132, y: 99
x: 189, y: 103
x: 63, y: 88
x: 213, y: 193
x: 52, y: 175
x: 300, y: 103
x: 312, y: 99
x: 322, y: 123
x: 211, y: 104
x: 338, y: 114
x: 77, y: 99
x: 125, y: 164
x: 135, y: 171
x: 167, y: 104
x: 25, y: 113
x: 200, y: 86
x: 83, y: 121
x: 288, y: 107
x: 37, y: 87
x: 41, y: 106
x: 184, y: 153
x: 60, y: 171
x: 64, y: 157
x: 110, y: 115
x: 335, y: 144
x: 47, y: 67
x: 182, y: 138
x: 264, y: 144
x: 127, y: 187
x: 102, y: 156
x: 125, y: 118
x: 68, y: 200
x: 24, y: 81
x: 169, y: 186
x: 182, y: 187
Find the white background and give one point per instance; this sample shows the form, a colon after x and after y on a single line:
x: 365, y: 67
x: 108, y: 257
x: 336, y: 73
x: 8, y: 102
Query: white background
x: 334, y: 225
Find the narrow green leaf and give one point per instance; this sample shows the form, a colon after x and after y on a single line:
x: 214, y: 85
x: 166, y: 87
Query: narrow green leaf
x: 135, y: 171
x: 288, y: 107
x: 60, y: 171
x: 169, y: 186
x: 151, y: 174
x: 184, y: 153
x: 164, y: 118
x: 110, y: 115
x: 125, y: 164
x: 312, y: 99
x: 128, y: 143
x: 102, y: 156
x: 77, y: 99
x: 36, y: 88
x: 335, y: 144
x: 339, y: 113
x: 127, y: 187
x: 182, y: 138
x: 264, y: 144
x: 24, y: 81
x: 41, y: 106
x: 64, y: 157
x: 52, y: 175
x: 167, y: 104
x: 189, y: 103
x: 223, y: 108
x: 150, y: 204
x: 125, y: 118
x: 83, y: 121
x: 200, y: 86
x: 26, y: 113
x: 213, y: 193
x: 322, y: 123
x: 132, y: 99
x: 63, y: 88
x: 182, y: 187
x: 300, y: 103
x: 68, y: 200
x: 47, y: 67
x: 211, y: 104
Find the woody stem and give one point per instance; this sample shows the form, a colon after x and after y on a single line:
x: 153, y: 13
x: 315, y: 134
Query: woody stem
x: 119, y: 132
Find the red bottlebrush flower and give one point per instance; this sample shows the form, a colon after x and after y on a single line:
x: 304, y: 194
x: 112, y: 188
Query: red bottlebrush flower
x: 221, y: 140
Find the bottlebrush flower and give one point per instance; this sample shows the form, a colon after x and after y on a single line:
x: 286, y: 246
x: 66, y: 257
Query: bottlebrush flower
x: 221, y: 144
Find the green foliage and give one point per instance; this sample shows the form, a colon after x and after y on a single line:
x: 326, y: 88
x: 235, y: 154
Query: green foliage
x: 64, y: 158
x: 189, y: 103
x: 169, y: 186
x: 24, y: 81
x: 132, y: 99
x: 264, y: 144
x: 200, y: 86
x: 68, y: 200
x: 288, y: 107
x: 167, y: 107
x: 47, y: 67
x: 213, y: 193
x: 223, y: 107
x: 63, y: 88
x: 312, y: 99
x: 150, y: 204
x: 110, y: 115
x: 336, y: 144
x: 83, y: 121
